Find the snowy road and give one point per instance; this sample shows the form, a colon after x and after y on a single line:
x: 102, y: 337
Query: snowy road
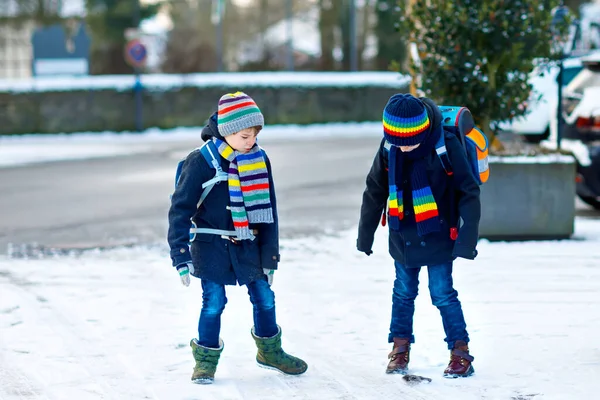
x: 111, y: 200
x: 123, y: 200
x: 115, y: 325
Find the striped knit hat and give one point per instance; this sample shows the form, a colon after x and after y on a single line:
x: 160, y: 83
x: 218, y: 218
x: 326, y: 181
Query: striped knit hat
x: 238, y: 111
x: 405, y: 120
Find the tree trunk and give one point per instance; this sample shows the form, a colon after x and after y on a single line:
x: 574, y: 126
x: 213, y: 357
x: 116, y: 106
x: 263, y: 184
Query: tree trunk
x: 390, y: 48
x: 109, y: 60
x: 363, y: 33
x: 327, y: 23
x: 264, y: 24
x: 344, y: 24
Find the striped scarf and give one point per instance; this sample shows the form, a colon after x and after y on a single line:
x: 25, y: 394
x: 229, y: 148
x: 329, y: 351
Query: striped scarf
x: 249, y: 192
x: 424, y: 205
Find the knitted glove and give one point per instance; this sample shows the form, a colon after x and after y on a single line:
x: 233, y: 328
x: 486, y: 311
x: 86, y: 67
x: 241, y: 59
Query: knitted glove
x: 184, y: 272
x: 270, y: 273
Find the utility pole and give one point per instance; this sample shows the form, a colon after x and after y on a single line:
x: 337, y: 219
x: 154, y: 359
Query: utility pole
x: 559, y: 15
x: 353, y: 49
x: 217, y: 20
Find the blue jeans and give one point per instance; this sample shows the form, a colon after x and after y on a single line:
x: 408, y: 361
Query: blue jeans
x: 213, y: 304
x: 443, y: 296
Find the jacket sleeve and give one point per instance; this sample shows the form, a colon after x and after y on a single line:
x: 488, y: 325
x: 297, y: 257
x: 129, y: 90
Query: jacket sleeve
x: 184, y: 202
x: 469, y: 205
x: 374, y: 201
x: 269, y: 233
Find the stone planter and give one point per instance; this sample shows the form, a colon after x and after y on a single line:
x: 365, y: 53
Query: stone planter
x: 529, y: 198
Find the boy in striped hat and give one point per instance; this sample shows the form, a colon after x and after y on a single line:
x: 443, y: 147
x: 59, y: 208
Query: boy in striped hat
x: 424, y: 206
x: 236, y: 234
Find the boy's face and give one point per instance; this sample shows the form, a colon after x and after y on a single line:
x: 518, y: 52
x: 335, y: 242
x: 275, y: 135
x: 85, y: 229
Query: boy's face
x: 407, y: 149
x: 243, y: 140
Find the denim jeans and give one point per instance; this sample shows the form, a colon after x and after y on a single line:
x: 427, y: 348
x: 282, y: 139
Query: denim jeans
x: 443, y: 296
x: 213, y: 304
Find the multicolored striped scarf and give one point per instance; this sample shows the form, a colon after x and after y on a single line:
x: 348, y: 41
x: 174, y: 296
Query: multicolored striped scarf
x: 424, y: 205
x: 249, y: 193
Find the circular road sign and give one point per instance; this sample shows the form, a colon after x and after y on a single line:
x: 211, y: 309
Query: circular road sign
x: 135, y: 53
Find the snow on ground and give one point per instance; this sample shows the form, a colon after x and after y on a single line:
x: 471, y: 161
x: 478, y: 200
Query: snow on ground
x: 34, y: 148
x: 116, y: 324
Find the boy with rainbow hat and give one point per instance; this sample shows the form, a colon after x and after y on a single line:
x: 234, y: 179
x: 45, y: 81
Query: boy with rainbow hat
x: 424, y: 205
x: 237, y: 235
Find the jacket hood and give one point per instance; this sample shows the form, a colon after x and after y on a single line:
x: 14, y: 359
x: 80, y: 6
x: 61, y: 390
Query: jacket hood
x: 435, y: 115
x: 211, y: 129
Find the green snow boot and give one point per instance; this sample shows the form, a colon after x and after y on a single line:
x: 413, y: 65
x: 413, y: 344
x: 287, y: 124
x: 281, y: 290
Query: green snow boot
x: 206, y: 362
x: 271, y: 356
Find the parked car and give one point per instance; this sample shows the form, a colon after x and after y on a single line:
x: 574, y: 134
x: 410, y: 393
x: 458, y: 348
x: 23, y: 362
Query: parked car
x: 580, y: 128
x: 535, y: 125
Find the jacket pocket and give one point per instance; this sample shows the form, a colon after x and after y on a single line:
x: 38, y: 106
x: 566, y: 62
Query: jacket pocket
x: 250, y: 253
x: 209, y: 252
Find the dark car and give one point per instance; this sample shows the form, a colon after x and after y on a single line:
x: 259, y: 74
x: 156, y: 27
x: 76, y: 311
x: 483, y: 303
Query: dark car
x: 581, y: 125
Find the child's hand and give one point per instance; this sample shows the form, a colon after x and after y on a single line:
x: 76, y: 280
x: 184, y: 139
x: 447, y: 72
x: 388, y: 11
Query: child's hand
x: 270, y: 273
x: 184, y: 273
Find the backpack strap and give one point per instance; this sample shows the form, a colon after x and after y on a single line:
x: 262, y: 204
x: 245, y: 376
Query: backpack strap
x: 440, y: 149
x: 210, y: 153
x: 178, y: 172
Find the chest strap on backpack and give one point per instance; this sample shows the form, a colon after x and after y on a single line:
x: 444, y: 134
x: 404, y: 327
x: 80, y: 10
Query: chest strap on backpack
x: 208, y: 151
x: 210, y: 231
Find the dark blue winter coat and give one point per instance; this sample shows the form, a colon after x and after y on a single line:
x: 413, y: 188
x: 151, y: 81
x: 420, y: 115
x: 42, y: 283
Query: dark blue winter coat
x: 456, y: 196
x: 214, y: 258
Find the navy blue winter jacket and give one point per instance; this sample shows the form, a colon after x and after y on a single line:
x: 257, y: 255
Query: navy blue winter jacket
x: 214, y: 258
x: 456, y: 196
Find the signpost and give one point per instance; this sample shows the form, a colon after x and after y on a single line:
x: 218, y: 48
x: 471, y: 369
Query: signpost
x: 560, y: 14
x: 136, y: 55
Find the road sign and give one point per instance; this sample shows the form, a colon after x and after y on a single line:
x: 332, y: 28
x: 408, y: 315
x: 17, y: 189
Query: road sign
x: 135, y: 53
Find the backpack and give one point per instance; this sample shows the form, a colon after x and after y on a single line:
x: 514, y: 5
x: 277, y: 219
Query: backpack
x: 210, y: 153
x: 459, y: 121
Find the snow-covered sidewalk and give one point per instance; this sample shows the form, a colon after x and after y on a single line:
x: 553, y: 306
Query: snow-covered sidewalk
x: 116, y: 325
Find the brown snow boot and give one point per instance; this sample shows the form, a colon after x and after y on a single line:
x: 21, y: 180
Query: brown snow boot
x: 460, y: 361
x: 399, y: 357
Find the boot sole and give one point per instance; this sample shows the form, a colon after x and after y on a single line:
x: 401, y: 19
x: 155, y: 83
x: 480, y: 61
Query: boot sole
x: 396, y: 372
x: 203, y: 381
x: 469, y: 372
x: 269, y: 367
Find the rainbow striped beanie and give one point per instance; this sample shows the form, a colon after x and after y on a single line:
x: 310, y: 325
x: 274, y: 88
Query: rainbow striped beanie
x: 237, y: 111
x: 405, y: 120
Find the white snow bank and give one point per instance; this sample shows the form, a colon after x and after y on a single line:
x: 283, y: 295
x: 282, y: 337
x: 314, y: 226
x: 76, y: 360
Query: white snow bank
x: 230, y: 79
x: 537, y: 159
x: 116, y: 324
